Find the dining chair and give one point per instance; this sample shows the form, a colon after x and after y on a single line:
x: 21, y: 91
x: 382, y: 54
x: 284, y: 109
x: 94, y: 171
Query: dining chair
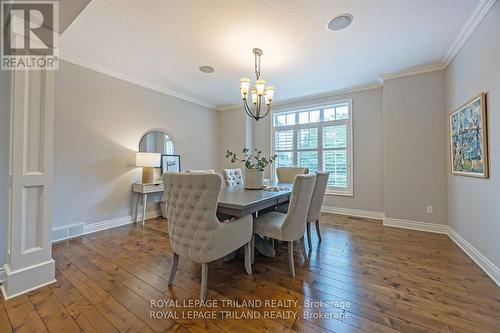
x: 193, y: 229
x: 287, y: 174
x: 232, y: 177
x: 314, y: 212
x: 291, y: 226
x: 200, y: 171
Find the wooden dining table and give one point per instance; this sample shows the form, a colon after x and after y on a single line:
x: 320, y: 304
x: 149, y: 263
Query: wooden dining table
x: 238, y: 201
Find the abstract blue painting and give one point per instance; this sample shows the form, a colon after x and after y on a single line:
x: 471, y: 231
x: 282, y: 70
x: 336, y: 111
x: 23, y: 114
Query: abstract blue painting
x: 468, y: 139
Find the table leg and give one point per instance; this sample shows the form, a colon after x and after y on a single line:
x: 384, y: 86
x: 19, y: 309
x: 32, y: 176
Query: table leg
x: 137, y: 207
x: 144, y: 204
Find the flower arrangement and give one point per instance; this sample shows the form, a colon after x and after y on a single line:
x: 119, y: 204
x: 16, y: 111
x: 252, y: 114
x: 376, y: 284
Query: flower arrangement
x: 252, y: 161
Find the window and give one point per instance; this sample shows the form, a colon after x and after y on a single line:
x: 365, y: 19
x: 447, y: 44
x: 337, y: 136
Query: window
x: 318, y: 138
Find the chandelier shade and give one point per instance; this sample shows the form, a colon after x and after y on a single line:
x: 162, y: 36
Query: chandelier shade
x: 261, y: 96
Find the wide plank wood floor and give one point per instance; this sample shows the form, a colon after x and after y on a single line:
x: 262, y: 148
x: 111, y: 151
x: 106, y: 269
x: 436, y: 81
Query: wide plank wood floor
x: 370, y: 278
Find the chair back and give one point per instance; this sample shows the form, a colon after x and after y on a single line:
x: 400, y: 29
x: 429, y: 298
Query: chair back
x: 191, y: 204
x: 287, y: 174
x: 232, y: 177
x: 294, y: 225
x: 317, y: 198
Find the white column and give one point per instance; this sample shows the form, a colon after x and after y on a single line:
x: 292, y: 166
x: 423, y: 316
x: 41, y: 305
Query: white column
x: 29, y: 262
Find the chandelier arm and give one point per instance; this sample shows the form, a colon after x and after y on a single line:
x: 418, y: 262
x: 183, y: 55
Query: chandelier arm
x: 248, y: 110
x: 267, y: 112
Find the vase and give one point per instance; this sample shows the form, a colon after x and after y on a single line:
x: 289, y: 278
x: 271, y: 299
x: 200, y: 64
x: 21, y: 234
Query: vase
x: 253, y: 179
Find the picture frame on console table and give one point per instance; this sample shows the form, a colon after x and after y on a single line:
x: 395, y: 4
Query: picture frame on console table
x: 170, y: 163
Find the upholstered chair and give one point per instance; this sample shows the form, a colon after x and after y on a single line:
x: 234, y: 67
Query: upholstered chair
x: 291, y: 226
x: 193, y: 229
x: 287, y: 174
x: 232, y: 177
x: 200, y: 171
x: 315, y: 207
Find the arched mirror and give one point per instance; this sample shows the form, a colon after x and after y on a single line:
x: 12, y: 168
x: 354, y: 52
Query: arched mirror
x: 156, y: 141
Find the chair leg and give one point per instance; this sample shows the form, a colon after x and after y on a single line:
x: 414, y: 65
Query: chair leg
x: 204, y: 276
x: 309, y: 242
x: 248, y: 257
x: 318, y: 232
x: 253, y: 249
x: 174, y: 270
x: 303, y: 247
x: 290, y: 258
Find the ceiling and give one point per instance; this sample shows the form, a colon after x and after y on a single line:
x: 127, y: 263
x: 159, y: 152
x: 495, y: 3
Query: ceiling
x: 161, y: 44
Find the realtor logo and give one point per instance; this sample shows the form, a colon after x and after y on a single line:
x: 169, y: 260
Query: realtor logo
x: 29, y: 35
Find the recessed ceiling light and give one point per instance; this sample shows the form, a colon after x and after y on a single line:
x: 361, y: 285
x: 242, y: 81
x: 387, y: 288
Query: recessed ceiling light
x: 207, y: 69
x: 340, y: 22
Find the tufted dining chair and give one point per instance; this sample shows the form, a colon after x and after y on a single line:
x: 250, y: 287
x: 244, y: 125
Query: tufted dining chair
x: 291, y: 226
x: 193, y: 229
x: 232, y: 177
x: 287, y: 174
x: 314, y: 212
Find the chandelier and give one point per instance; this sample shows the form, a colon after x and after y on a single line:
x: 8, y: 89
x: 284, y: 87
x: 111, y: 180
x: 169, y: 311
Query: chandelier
x: 262, y: 96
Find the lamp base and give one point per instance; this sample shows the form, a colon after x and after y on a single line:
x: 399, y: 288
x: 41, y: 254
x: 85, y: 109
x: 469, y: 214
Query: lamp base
x: 147, y: 175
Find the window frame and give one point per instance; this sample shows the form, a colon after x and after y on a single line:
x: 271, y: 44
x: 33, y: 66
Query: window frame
x: 320, y: 125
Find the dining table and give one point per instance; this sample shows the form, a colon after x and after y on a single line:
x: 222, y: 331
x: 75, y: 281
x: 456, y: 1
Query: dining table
x: 238, y: 201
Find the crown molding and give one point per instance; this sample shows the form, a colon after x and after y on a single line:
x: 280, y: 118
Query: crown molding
x: 136, y: 81
x: 326, y: 94
x: 411, y: 71
x: 479, y: 12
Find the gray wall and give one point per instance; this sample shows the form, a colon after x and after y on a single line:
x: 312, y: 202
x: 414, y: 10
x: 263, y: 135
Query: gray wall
x: 99, y: 121
x: 368, y: 148
x: 232, y: 136
x: 4, y: 160
x: 235, y: 132
x: 415, y: 147
x: 474, y: 204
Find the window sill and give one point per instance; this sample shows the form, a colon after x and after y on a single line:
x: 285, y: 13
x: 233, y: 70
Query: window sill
x: 339, y: 193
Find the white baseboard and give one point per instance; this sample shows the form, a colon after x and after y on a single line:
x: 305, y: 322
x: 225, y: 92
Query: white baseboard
x: 414, y: 225
x: 103, y: 225
x: 486, y: 265
x: 76, y: 230
x: 353, y: 212
x: 2, y: 276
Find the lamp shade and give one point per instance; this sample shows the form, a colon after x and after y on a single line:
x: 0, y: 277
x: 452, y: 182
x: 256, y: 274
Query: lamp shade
x: 147, y: 160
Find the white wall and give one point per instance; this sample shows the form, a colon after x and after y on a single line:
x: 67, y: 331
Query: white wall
x: 368, y: 148
x: 99, y: 121
x: 474, y: 204
x: 4, y: 160
x: 415, y: 148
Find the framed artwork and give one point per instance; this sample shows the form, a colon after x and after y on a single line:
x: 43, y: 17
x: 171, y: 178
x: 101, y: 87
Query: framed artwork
x: 468, y: 139
x: 170, y: 163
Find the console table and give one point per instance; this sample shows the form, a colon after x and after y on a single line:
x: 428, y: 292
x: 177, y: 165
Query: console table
x: 143, y: 190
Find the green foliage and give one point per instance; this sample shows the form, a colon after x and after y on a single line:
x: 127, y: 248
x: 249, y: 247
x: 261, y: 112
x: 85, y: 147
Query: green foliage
x: 252, y: 161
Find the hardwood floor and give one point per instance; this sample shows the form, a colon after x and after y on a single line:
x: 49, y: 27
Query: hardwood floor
x: 370, y: 279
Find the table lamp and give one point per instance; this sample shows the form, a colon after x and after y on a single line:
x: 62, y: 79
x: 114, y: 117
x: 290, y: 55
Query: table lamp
x: 147, y: 161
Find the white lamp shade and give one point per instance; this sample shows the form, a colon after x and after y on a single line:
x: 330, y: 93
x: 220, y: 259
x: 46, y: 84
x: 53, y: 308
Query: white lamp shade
x: 147, y: 160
